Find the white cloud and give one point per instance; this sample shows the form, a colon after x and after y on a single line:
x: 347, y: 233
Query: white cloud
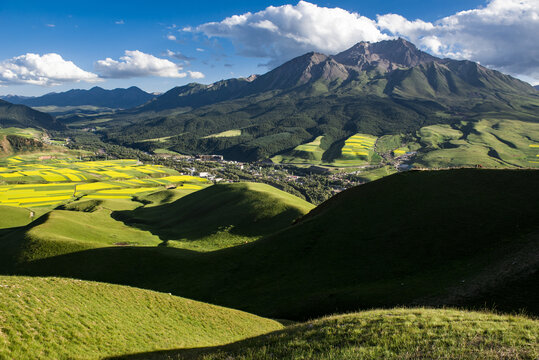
x: 196, y: 75
x: 138, y: 64
x: 171, y: 37
x: 398, y: 24
x: 177, y: 55
x: 50, y: 25
x: 280, y: 33
x: 119, y: 22
x: 502, y: 35
x: 48, y: 69
x: 200, y: 50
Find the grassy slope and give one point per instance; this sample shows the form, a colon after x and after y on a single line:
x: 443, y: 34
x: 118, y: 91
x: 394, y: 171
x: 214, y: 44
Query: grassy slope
x: 60, y: 318
x: 220, y: 216
x: 415, y: 237
x: 82, y: 225
x: 386, y: 334
x: 13, y: 216
x: 228, y: 133
x: 164, y: 196
x: 489, y: 142
x: 308, y: 153
x: 63, y: 232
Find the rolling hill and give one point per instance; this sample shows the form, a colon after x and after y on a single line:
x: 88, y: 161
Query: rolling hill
x: 384, y: 334
x: 458, y: 237
x: 71, y: 319
x: 385, y: 88
x: 220, y: 216
x: 21, y: 116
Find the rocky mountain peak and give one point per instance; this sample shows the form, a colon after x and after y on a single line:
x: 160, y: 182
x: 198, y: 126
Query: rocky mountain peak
x: 384, y: 55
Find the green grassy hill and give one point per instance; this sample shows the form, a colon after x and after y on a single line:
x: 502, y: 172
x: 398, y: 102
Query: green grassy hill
x: 385, y: 334
x: 220, y: 216
x: 12, y: 115
x: 13, y: 217
x: 217, y: 217
x: 461, y: 237
x: 71, y: 319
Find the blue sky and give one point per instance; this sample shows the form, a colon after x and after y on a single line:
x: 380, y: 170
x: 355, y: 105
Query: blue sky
x: 85, y: 32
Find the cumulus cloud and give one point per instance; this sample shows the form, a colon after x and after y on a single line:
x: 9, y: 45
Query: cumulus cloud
x: 48, y: 69
x: 279, y: 33
x: 196, y: 75
x: 171, y: 37
x: 501, y: 35
x: 119, y: 22
x: 138, y: 64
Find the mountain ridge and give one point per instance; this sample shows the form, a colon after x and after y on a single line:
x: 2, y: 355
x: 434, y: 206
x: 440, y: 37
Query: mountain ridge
x: 118, y: 98
x: 383, y: 57
x: 15, y: 115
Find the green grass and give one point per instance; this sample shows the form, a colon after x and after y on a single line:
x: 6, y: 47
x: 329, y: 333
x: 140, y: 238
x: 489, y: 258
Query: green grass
x: 386, y: 334
x: 27, y: 133
x: 387, y: 143
x: 71, y: 319
x: 62, y: 232
x: 377, y: 173
x: 489, y: 142
x: 398, y: 240
x: 308, y: 153
x: 164, y: 196
x: 435, y: 135
x: 219, y: 216
x: 224, y: 134
x: 13, y: 217
x: 165, y: 151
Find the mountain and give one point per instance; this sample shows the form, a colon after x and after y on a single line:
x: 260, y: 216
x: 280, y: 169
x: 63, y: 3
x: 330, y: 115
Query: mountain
x: 385, y: 88
x: 393, y: 57
x: 311, y: 67
x: 457, y: 237
x: 96, y: 96
x: 536, y: 87
x: 12, y: 115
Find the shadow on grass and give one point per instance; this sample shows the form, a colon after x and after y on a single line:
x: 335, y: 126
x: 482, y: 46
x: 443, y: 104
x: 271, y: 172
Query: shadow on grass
x: 220, y: 209
x: 196, y: 353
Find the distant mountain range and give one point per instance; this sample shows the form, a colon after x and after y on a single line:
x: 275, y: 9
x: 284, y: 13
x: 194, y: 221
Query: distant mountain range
x: 389, y: 87
x: 96, y: 96
x: 318, y: 102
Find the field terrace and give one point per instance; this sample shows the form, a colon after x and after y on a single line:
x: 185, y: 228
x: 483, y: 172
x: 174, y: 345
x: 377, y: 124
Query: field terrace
x: 29, y: 184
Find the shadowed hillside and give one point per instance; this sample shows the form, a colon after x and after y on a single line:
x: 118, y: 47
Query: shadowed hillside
x: 220, y: 216
x: 384, y: 334
x: 12, y: 115
x: 442, y: 237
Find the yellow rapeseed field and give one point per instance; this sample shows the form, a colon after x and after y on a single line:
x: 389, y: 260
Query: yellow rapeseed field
x: 68, y: 180
x: 358, y: 146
